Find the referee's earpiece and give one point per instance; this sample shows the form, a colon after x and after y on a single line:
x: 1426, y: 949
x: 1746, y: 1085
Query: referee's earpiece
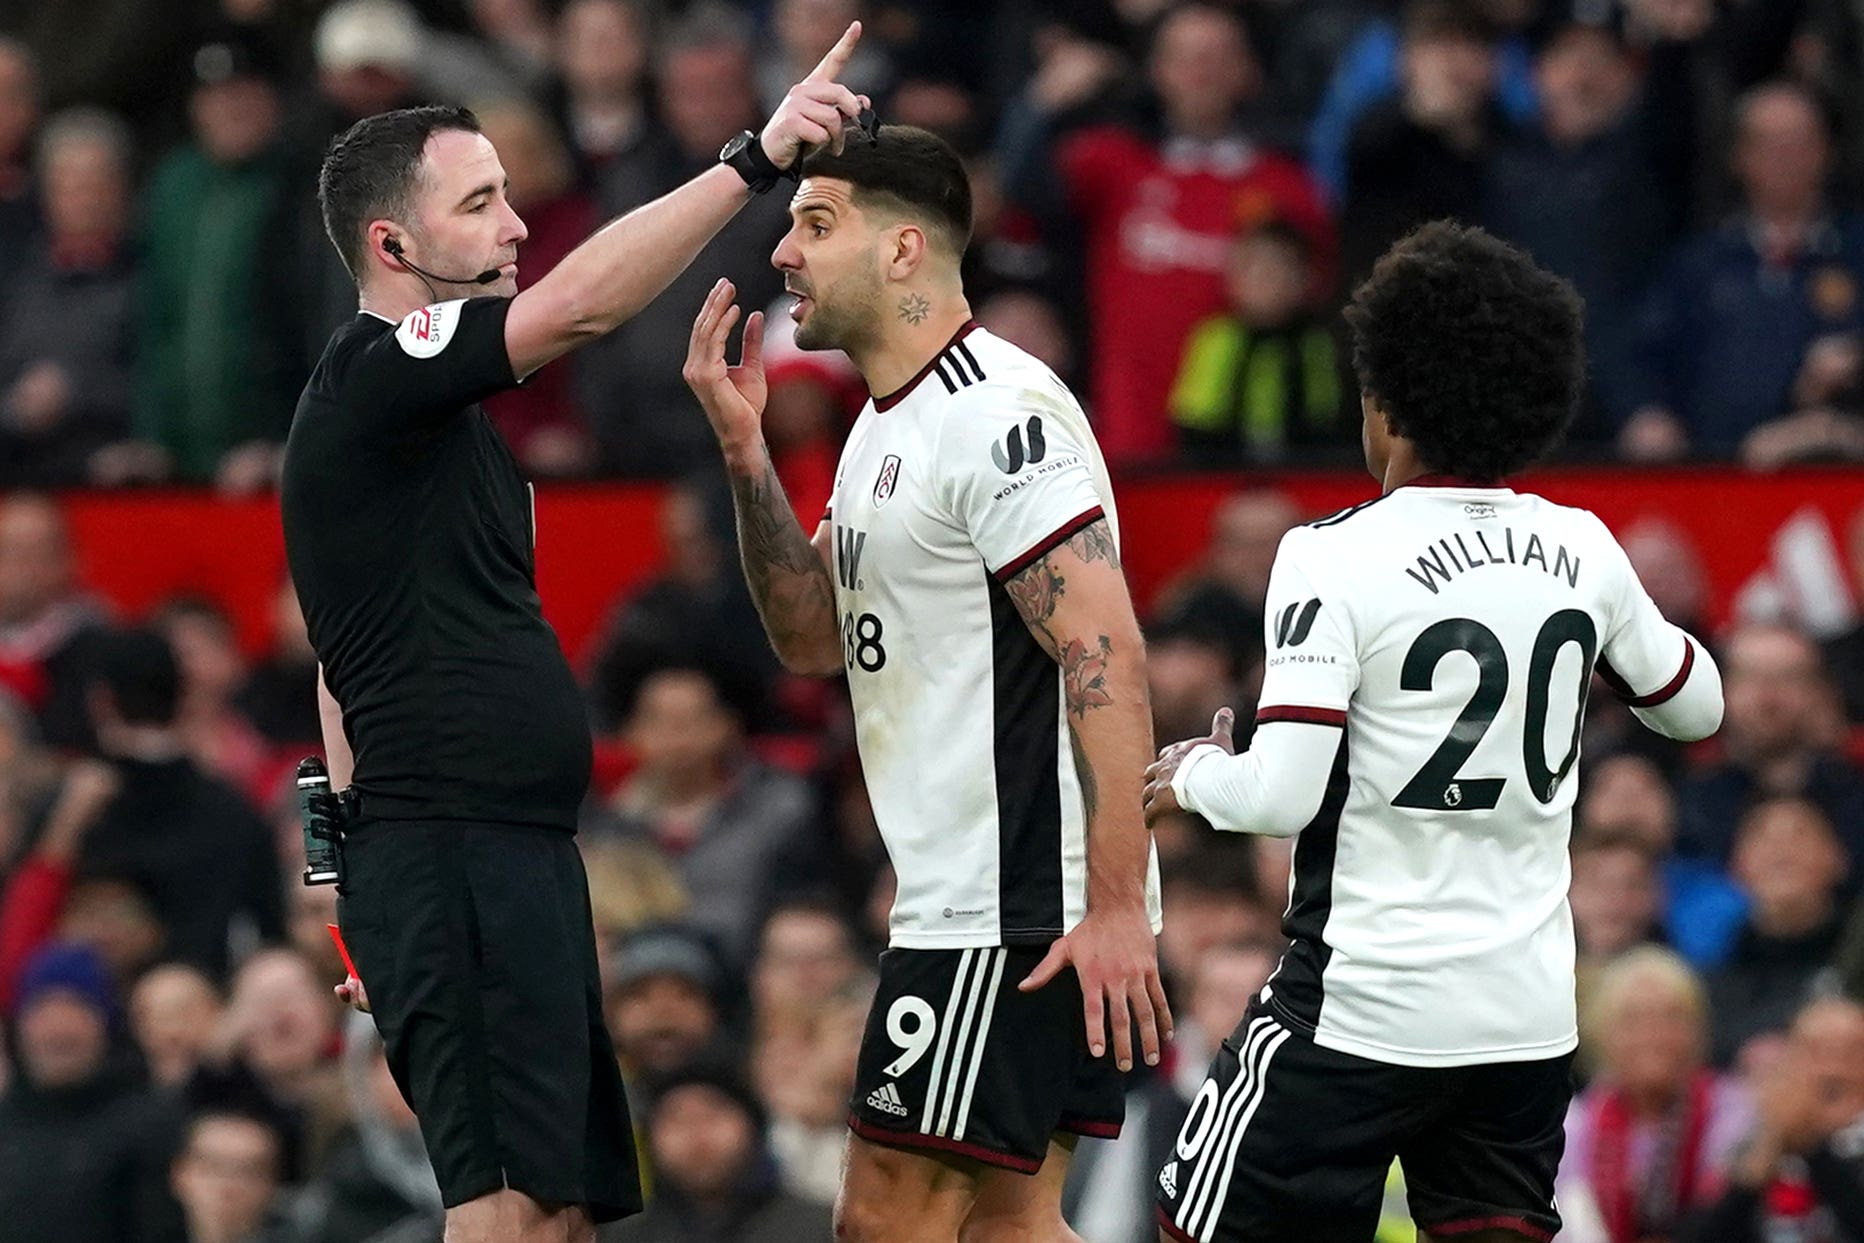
x: 391, y: 245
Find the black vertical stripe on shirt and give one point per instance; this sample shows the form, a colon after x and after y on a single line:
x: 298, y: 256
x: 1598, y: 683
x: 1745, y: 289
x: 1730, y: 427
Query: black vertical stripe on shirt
x: 1026, y: 757
x: 1297, y: 983
x: 960, y: 348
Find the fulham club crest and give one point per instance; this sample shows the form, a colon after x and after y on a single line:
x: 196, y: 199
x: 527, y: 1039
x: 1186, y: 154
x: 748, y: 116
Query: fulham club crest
x: 889, y: 476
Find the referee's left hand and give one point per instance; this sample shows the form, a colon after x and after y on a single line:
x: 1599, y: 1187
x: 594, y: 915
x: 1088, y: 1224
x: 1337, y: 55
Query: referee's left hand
x: 817, y: 110
x: 1116, y: 957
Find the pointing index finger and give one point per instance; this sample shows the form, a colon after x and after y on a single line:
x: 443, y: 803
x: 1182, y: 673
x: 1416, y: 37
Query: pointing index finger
x: 831, y: 65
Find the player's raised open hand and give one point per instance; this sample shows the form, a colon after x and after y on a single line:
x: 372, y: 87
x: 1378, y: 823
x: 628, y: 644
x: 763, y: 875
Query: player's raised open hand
x: 1159, y: 798
x: 733, y: 397
x: 1115, y: 955
x: 816, y: 110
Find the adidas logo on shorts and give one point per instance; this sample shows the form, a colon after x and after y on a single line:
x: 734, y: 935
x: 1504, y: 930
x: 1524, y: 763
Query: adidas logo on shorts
x: 1168, y: 1178
x: 886, y: 1098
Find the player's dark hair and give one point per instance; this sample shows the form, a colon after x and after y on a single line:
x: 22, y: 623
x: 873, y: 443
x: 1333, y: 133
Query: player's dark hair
x: 1472, y: 350
x: 372, y: 169
x: 908, y: 171
x: 139, y: 669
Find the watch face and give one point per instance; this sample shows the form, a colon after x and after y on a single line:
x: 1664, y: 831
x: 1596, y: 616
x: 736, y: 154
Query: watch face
x: 733, y: 147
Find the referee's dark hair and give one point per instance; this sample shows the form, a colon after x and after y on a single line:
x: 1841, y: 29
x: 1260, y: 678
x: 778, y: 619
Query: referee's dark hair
x: 907, y: 171
x: 372, y: 169
x: 1472, y: 351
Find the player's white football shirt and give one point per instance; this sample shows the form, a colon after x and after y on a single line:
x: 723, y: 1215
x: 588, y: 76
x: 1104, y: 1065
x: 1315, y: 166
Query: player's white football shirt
x: 1451, y: 633
x: 946, y: 489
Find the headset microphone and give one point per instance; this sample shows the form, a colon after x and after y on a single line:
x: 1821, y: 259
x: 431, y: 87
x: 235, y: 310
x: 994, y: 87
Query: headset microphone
x: 393, y: 247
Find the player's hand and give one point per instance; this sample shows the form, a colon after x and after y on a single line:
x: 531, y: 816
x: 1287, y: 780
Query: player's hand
x: 733, y: 397
x: 816, y: 110
x: 1159, y: 798
x: 351, y: 993
x: 1116, y: 957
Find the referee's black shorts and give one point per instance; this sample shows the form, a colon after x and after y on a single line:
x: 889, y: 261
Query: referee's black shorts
x: 475, y: 944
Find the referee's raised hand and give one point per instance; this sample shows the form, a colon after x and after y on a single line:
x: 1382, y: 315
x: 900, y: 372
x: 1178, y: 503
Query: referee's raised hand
x: 816, y: 110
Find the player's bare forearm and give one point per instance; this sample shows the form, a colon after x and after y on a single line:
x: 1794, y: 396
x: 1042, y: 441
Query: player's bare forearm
x: 1075, y: 602
x: 788, y: 577
x: 340, y: 762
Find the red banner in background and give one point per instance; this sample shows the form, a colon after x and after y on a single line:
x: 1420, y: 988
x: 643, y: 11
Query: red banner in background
x: 1768, y: 541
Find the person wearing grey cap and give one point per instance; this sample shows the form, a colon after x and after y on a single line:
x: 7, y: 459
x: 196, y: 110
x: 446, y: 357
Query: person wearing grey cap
x: 662, y: 1000
x: 411, y: 537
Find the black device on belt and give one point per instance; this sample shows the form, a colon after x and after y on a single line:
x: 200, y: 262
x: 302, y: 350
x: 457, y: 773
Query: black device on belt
x: 323, y: 812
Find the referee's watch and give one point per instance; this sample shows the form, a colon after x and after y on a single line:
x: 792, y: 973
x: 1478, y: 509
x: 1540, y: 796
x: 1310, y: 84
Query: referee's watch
x: 745, y: 155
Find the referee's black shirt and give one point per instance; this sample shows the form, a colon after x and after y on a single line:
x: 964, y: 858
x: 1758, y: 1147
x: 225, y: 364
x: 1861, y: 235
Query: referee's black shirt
x: 410, y: 536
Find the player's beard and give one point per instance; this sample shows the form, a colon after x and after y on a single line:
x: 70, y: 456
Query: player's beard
x: 845, y: 317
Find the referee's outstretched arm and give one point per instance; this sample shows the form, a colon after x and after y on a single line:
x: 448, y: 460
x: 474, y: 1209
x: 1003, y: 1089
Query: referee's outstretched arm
x: 628, y: 263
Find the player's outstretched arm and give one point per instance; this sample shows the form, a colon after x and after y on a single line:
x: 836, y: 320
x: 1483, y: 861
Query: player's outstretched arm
x: 788, y: 572
x: 629, y: 262
x: 1075, y: 602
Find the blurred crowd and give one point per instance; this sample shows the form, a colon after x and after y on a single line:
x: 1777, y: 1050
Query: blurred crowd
x: 1173, y: 201
x: 178, y: 1070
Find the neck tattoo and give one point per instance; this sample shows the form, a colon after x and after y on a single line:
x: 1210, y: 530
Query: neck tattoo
x: 914, y: 307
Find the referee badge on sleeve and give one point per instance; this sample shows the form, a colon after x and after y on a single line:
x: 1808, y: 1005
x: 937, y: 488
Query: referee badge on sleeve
x: 424, y: 333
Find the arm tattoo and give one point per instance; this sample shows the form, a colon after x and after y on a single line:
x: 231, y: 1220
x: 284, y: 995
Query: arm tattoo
x: 785, y: 573
x: 1040, y: 587
x: 914, y: 308
x: 1084, y: 675
x: 1084, y: 771
x: 1094, y: 542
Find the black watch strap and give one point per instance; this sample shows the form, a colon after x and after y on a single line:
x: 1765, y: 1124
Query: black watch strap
x: 746, y: 156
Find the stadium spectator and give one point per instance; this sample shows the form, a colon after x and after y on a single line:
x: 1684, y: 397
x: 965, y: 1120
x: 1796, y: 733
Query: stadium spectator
x: 39, y: 886
x: 175, y: 1013
x: 1776, y: 740
x: 1224, y: 593
x: 663, y: 1000
x: 49, y: 625
x: 1262, y: 379
x: 217, y: 372
x: 218, y: 736
x: 713, y: 1176
x: 1796, y: 1174
x: 1423, y: 155
x: 1597, y: 187
x: 85, y: 1147
x: 1790, y: 864
x: 1158, y: 209
x: 67, y: 319
x: 742, y: 833
x: 1191, y: 671
x: 1028, y: 321
x: 376, y: 1185
x: 281, y: 1027
x: 227, y: 1177
x: 540, y: 421
x: 520, y: 36
x: 29, y: 775
x: 600, y: 98
x: 19, y: 118
x: 631, y: 885
x: 803, y: 1068
x: 1728, y: 327
x: 806, y: 958
x: 206, y: 858
x: 639, y: 408
x: 1649, y: 1140
x: 1616, y: 898
x: 1371, y: 71
x: 279, y: 695
x: 802, y: 28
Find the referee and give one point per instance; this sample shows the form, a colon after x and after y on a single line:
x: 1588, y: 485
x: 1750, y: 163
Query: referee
x: 410, y: 535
